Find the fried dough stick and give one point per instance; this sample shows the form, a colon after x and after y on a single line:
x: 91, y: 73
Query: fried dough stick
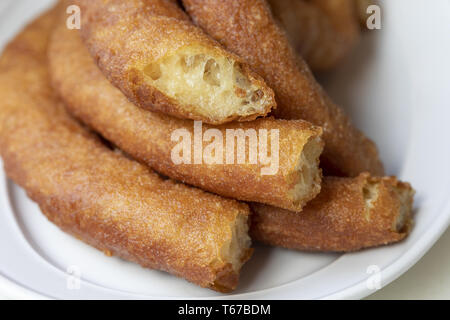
x: 322, y: 31
x: 100, y: 196
x: 162, y: 62
x: 350, y: 214
x: 248, y: 28
x: 147, y: 136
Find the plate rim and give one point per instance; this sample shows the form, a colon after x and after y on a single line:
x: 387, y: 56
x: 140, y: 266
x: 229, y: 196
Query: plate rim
x: 359, y: 290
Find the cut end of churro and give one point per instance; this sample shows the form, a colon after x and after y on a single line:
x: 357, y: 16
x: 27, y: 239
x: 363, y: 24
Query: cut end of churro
x: 405, y: 195
x: 234, y: 253
x: 370, y: 194
x: 403, y: 222
x: 309, y: 173
x: 210, y: 85
x: 349, y: 214
x: 389, y: 192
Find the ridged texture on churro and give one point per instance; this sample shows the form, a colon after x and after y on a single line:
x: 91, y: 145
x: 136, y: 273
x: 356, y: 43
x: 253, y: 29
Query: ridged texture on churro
x: 162, y: 62
x: 350, y: 214
x: 100, y: 196
x: 146, y: 136
x: 248, y: 28
x: 322, y: 31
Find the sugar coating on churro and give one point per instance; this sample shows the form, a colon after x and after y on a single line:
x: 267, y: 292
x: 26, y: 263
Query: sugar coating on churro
x: 100, y: 196
x: 162, y: 62
x: 285, y: 172
x: 349, y: 214
x: 248, y: 28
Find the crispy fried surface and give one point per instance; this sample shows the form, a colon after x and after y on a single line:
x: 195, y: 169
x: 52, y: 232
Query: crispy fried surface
x: 100, y: 196
x: 348, y: 215
x: 162, y: 62
x: 248, y: 28
x: 147, y: 136
x: 322, y: 31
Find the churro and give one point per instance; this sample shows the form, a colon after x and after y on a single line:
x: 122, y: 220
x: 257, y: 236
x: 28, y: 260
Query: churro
x: 162, y: 62
x: 288, y: 180
x: 100, y: 196
x: 248, y: 28
x: 323, y: 32
x: 350, y: 214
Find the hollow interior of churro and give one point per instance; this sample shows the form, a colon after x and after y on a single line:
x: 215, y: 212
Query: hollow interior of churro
x: 403, y: 196
x: 235, y: 251
x: 309, y: 174
x: 370, y: 195
x: 211, y: 85
x: 403, y: 221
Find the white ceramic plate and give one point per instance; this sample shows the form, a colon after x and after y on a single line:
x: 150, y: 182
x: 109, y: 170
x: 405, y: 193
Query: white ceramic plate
x: 396, y: 87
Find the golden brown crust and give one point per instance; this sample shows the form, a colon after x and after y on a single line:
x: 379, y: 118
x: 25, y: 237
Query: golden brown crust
x: 147, y: 136
x: 248, y: 28
x: 348, y: 215
x: 322, y: 31
x: 126, y: 36
x: 98, y: 195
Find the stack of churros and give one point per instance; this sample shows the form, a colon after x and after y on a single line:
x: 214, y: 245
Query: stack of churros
x: 173, y: 134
